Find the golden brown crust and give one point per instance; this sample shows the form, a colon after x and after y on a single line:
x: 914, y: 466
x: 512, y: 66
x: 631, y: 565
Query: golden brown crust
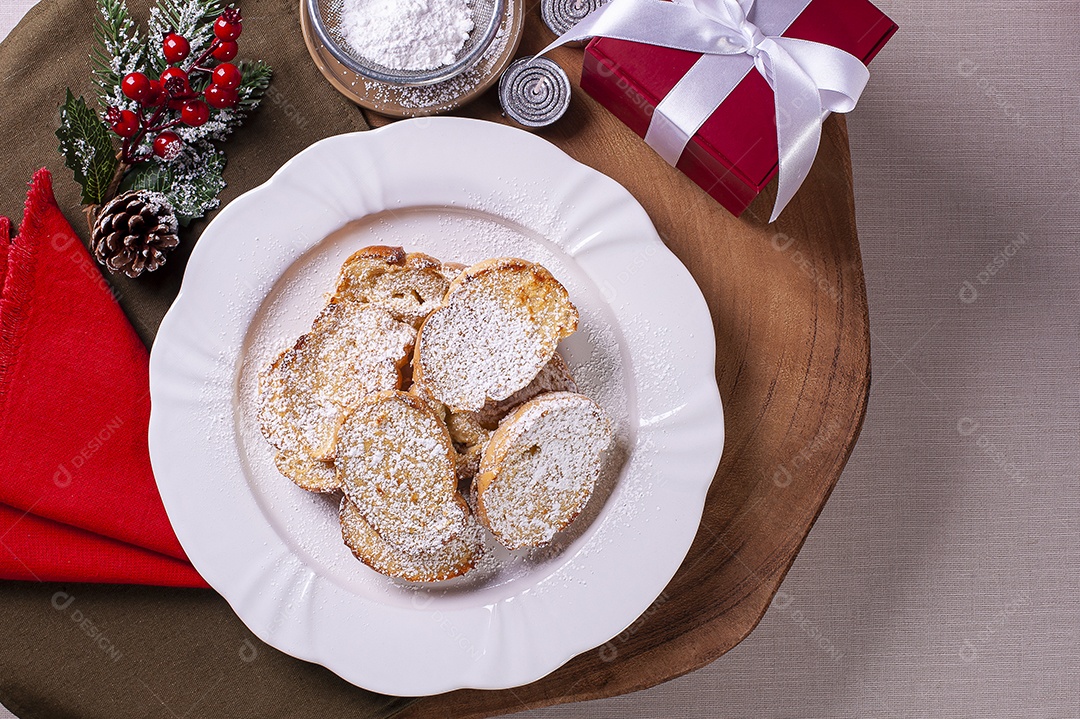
x: 453, y: 559
x: 408, y: 285
x: 451, y: 270
x: 314, y: 475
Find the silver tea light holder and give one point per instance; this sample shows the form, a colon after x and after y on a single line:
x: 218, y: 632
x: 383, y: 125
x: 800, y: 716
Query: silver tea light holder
x: 561, y: 15
x: 534, y: 92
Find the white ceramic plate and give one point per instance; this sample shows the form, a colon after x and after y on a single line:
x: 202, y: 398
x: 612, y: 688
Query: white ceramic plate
x: 461, y: 190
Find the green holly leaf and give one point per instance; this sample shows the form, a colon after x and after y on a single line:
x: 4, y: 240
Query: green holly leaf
x: 191, y: 182
x: 153, y: 175
x: 87, y: 148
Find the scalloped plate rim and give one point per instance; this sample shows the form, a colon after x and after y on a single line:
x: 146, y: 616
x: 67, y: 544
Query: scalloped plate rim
x: 235, y: 585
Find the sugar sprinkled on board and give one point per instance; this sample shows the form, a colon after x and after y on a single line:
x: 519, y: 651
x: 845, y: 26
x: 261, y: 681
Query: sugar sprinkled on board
x: 407, y: 34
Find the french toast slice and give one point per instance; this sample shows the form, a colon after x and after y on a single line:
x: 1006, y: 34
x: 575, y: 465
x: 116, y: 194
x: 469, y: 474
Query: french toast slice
x: 540, y: 468
x: 554, y: 377
x: 452, y: 559
x: 314, y: 475
x: 395, y: 461
x: 497, y: 327
x: 409, y: 286
x: 351, y: 350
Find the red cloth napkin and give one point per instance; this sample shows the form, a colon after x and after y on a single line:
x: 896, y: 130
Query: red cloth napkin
x: 37, y: 549
x: 74, y: 409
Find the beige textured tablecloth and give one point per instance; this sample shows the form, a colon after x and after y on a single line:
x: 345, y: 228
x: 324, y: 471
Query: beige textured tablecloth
x: 943, y: 577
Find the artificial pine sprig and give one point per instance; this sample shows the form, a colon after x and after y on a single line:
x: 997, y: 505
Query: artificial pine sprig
x: 118, y: 49
x: 167, y: 100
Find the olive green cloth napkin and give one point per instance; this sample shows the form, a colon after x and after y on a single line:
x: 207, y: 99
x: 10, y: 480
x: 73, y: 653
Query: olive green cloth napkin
x: 111, y: 652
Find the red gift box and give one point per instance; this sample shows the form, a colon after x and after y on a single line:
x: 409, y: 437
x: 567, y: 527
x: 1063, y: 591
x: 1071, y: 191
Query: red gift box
x: 734, y: 154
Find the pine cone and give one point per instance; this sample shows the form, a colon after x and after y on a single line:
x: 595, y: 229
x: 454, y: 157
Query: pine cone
x: 134, y: 231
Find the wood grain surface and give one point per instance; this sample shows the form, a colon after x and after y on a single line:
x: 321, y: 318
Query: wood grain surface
x: 793, y: 364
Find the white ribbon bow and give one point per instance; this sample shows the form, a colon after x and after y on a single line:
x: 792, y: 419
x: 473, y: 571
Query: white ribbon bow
x: 809, y: 79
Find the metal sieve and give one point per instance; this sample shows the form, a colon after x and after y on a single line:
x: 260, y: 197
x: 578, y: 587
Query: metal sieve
x: 325, y: 16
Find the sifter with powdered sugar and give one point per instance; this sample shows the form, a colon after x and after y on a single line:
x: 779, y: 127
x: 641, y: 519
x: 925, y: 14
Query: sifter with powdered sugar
x: 412, y: 99
x: 406, y: 42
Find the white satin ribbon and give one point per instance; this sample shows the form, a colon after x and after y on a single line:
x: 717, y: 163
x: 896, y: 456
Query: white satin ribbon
x: 809, y: 79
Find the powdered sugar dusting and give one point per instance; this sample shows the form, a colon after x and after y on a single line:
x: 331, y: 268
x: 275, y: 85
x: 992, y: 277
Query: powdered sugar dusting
x: 553, y: 377
x: 517, y: 224
x: 351, y: 351
x: 496, y: 330
x: 488, y: 332
x: 438, y: 563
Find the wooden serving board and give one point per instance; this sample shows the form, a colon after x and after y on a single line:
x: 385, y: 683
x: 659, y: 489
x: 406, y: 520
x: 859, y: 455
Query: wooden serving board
x: 789, y: 308
x: 788, y: 302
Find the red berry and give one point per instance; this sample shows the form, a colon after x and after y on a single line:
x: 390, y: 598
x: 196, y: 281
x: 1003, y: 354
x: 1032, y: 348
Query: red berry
x: 167, y: 145
x: 220, y: 97
x: 226, y: 51
x: 125, y: 124
x: 136, y: 86
x: 157, y: 94
x: 227, y: 75
x: 227, y: 30
x: 175, y: 72
x: 177, y: 88
x: 175, y: 47
x: 194, y: 113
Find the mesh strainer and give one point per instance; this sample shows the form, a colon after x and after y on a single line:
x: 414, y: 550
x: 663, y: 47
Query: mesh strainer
x: 325, y: 18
